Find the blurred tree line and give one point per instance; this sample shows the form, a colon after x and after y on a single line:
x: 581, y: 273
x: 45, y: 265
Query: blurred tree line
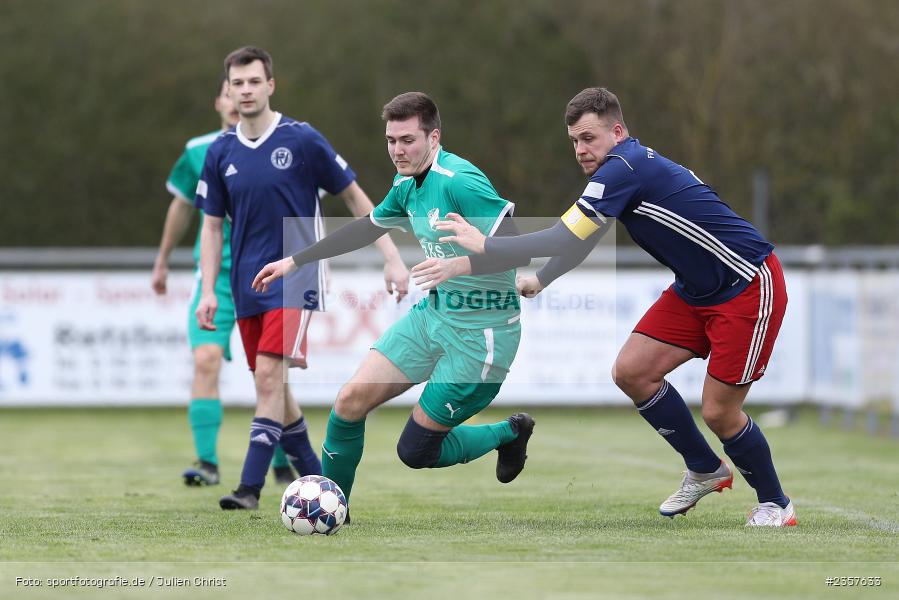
x: 100, y: 96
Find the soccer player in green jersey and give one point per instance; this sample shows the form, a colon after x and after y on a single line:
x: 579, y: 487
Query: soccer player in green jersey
x: 461, y: 338
x: 209, y: 348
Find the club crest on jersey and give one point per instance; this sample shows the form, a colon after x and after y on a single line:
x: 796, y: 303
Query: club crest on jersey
x: 282, y: 158
x: 433, y: 217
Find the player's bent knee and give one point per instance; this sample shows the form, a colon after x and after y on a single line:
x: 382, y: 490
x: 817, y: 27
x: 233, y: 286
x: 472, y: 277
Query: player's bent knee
x: 616, y: 374
x: 414, y: 459
x: 627, y: 377
x: 268, y: 369
x: 351, y: 402
x: 419, y: 447
x: 718, y: 418
x: 635, y: 379
x: 269, y: 379
x: 208, y: 360
x: 207, y: 364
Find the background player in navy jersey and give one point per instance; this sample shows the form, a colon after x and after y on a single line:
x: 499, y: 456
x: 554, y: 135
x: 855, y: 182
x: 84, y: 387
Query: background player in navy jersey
x: 727, y: 301
x: 209, y: 348
x: 268, y: 169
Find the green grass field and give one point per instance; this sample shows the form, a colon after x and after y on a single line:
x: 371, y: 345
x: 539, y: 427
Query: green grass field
x: 97, y: 493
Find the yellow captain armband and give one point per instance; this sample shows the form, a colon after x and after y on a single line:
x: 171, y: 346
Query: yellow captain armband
x: 580, y: 225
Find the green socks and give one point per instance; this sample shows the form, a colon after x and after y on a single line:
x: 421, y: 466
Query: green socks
x: 345, y: 440
x: 342, y: 451
x: 465, y: 443
x: 205, y: 417
x: 279, y: 460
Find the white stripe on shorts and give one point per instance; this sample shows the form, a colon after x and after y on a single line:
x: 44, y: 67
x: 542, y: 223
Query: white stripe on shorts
x: 297, y: 352
x: 766, y: 304
x: 488, y: 362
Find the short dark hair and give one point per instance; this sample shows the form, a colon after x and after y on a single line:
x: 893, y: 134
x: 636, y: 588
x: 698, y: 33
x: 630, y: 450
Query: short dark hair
x: 596, y: 100
x: 222, y: 79
x: 246, y: 55
x: 411, y: 104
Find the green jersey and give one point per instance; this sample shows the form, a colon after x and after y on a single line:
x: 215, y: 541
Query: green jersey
x: 182, y: 182
x: 454, y: 185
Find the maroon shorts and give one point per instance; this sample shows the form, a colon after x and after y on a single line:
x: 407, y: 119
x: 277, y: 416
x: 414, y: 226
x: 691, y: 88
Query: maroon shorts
x: 739, y: 334
x: 279, y: 332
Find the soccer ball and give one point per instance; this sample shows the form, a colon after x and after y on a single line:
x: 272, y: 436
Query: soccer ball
x: 313, y: 505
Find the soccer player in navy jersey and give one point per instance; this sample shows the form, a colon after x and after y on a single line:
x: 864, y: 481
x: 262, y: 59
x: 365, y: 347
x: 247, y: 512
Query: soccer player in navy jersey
x: 727, y: 301
x: 209, y: 348
x: 267, y: 169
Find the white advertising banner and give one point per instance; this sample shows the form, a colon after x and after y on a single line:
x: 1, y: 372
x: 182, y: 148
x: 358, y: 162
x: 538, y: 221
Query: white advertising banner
x: 104, y: 338
x: 854, y: 320
x: 93, y: 338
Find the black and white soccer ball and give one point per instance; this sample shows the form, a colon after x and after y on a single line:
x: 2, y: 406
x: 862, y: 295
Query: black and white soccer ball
x: 313, y: 505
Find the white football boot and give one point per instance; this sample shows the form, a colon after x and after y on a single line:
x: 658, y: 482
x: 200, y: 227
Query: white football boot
x: 693, y: 487
x: 769, y: 514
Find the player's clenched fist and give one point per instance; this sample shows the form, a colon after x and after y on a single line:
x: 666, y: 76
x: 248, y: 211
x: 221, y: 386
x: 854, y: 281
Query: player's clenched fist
x: 528, y: 286
x: 396, y: 277
x: 206, y: 311
x: 272, y: 272
x: 158, y: 279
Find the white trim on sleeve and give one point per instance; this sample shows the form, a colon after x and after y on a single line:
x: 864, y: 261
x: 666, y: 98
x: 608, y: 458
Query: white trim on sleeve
x: 586, y: 205
x: 371, y: 216
x: 594, y: 189
x: 509, y: 208
x: 177, y: 193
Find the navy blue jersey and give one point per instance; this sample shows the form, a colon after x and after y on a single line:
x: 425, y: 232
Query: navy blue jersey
x: 257, y: 184
x: 679, y: 220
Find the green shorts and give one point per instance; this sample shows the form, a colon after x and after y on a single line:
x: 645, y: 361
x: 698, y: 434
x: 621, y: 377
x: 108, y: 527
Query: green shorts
x: 464, y: 368
x: 224, y: 316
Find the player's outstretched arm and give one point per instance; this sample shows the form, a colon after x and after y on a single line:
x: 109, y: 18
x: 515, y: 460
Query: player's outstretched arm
x: 272, y: 272
x: 177, y: 220
x: 529, y: 286
x: 561, y: 264
x: 558, y: 240
x: 434, y: 271
x: 396, y: 276
x: 352, y: 236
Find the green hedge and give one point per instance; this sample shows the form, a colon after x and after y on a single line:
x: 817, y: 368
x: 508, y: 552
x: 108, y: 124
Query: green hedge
x: 99, y: 97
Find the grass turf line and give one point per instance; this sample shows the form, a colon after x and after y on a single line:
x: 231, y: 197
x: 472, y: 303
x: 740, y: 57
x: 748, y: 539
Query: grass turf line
x: 104, y: 485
